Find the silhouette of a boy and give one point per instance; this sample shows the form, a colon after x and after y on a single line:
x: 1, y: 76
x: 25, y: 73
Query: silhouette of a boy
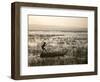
x: 43, y: 46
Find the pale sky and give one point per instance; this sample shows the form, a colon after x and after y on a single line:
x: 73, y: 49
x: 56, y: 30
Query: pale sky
x: 57, y: 23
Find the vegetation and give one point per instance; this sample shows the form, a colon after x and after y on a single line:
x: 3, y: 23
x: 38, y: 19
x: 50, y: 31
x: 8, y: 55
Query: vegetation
x: 62, y: 48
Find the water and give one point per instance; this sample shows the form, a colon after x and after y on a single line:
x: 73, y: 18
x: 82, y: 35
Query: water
x: 62, y: 48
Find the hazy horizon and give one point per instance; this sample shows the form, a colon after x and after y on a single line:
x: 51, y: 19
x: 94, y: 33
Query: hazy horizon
x: 57, y: 23
x: 37, y: 28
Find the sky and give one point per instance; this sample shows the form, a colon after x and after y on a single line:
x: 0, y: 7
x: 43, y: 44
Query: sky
x: 36, y: 22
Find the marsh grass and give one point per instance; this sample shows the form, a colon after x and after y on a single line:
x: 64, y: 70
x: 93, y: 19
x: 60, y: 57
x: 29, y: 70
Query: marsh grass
x: 62, y: 49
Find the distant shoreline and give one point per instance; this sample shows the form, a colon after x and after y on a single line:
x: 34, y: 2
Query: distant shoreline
x: 58, y: 30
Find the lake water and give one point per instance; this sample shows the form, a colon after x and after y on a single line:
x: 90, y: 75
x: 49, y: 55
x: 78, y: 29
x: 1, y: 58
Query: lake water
x: 62, y: 48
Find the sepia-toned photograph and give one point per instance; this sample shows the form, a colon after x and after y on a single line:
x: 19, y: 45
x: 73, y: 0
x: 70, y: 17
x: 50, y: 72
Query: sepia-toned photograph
x: 53, y: 40
x: 57, y: 40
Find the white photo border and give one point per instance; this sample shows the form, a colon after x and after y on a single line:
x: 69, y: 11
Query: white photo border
x: 39, y: 70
